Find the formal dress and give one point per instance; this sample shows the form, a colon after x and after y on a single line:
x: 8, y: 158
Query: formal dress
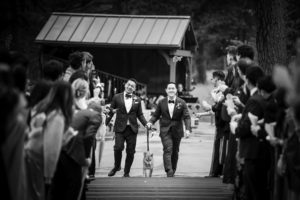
x: 170, y: 116
x: 42, y: 151
x: 230, y: 166
x: 128, y: 109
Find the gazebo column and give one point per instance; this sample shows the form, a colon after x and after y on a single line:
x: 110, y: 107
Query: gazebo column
x: 188, y: 77
x: 172, y: 70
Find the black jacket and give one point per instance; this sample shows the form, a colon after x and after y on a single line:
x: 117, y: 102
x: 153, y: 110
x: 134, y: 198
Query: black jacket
x: 122, y: 117
x: 251, y: 147
x: 166, y: 122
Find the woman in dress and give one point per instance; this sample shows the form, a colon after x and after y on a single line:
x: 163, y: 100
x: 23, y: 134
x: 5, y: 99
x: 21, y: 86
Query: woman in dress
x: 51, y: 118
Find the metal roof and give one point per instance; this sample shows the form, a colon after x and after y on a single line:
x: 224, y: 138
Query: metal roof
x: 117, y: 30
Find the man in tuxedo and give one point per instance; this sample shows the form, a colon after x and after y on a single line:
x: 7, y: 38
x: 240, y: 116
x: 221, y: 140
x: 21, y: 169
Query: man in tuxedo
x: 252, y: 148
x: 128, y: 109
x: 171, y: 110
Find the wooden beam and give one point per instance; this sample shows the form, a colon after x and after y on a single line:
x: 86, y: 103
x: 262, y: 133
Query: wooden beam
x: 172, y: 71
x: 183, y: 53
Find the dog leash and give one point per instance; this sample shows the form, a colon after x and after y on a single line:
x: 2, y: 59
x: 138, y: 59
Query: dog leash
x: 147, y: 139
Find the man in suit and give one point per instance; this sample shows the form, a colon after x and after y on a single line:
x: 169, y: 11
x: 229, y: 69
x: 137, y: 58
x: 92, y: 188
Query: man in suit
x: 252, y: 148
x: 171, y: 110
x: 128, y: 109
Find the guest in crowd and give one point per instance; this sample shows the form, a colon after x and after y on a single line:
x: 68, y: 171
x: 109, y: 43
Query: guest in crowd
x: 12, y: 126
x: 53, y: 70
x: 222, y: 127
x: 51, y: 118
x: 252, y: 149
x: 77, y: 62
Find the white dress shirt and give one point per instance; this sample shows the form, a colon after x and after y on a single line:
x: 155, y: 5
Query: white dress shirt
x: 128, y: 105
x: 171, y: 106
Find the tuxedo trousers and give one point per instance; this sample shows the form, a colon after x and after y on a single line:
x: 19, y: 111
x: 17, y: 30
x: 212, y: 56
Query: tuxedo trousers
x: 171, y: 143
x: 129, y: 137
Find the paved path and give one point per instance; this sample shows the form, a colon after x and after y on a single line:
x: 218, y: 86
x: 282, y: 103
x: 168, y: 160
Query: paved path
x: 194, y: 158
x: 188, y: 183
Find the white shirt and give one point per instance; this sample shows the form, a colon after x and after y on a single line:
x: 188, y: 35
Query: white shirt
x: 128, y: 105
x: 171, y: 106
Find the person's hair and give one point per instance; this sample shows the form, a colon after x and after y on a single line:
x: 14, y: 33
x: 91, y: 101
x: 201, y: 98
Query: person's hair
x: 88, y: 56
x: 243, y: 64
x: 266, y: 83
x: 75, y: 59
x: 253, y: 74
x: 219, y: 74
x: 80, y: 74
x: 231, y: 50
x: 39, y: 92
x: 53, y: 69
x: 171, y: 83
x: 245, y: 51
x: 60, y: 97
x: 80, y: 88
x: 19, y: 64
x: 133, y: 80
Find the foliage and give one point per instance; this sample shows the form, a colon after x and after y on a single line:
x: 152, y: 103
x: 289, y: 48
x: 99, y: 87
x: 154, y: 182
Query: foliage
x: 217, y: 23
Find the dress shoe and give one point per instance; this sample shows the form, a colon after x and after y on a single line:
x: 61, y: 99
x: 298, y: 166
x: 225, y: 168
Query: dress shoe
x: 170, y: 173
x: 113, y: 171
x: 126, y: 175
x: 90, y: 178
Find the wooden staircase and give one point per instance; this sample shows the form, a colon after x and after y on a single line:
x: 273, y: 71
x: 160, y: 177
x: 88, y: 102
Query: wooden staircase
x: 158, y: 188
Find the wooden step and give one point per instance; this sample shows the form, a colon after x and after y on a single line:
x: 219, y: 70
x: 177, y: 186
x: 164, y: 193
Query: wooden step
x: 158, y: 188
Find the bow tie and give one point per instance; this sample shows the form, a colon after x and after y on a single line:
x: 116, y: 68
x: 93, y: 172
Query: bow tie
x: 128, y: 96
x: 171, y: 101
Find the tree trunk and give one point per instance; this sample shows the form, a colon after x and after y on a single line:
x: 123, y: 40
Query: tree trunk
x: 271, y: 37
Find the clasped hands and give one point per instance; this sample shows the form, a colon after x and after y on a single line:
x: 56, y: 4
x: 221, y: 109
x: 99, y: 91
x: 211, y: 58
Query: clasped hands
x: 149, y: 126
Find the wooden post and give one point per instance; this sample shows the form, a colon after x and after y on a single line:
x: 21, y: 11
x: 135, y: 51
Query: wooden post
x: 172, y: 71
x: 188, y: 74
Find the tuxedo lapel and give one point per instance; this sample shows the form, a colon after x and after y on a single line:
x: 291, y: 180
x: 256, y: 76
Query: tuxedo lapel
x: 123, y: 102
x: 167, y: 106
x: 175, y: 106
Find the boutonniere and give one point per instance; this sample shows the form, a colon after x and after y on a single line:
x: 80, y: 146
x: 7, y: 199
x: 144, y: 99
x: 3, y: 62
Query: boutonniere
x: 178, y: 106
x: 135, y: 100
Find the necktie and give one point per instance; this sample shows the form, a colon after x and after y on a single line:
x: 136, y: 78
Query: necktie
x: 128, y: 96
x: 171, y: 101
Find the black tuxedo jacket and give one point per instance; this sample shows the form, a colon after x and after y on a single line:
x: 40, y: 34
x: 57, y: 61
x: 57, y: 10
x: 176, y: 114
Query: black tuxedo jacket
x: 166, y: 122
x: 122, y: 117
x: 251, y: 147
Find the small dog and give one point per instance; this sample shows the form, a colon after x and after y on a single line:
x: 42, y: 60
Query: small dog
x: 148, y: 163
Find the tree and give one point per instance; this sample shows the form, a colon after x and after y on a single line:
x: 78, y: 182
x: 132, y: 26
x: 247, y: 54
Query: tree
x: 271, y: 39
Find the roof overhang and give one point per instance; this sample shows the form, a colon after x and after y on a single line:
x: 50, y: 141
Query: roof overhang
x: 129, y: 31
